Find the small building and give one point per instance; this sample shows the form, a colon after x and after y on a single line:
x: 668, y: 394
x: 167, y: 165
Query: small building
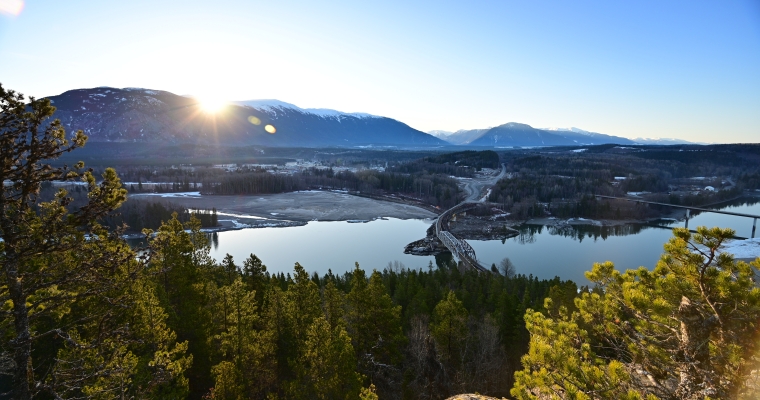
x: 709, y: 189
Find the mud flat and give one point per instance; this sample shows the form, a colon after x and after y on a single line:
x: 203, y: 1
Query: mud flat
x: 297, y: 206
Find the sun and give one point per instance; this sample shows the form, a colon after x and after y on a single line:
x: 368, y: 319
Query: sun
x: 212, y: 104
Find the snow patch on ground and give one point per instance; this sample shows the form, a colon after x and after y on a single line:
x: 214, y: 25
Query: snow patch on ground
x: 225, y: 214
x: 748, y: 248
x: 178, y: 194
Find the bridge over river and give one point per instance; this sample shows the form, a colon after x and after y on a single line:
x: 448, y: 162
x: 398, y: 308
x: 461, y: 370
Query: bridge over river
x: 459, y: 247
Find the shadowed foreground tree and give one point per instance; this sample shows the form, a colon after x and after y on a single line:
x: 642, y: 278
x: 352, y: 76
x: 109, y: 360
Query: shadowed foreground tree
x: 66, y: 281
x: 686, y: 330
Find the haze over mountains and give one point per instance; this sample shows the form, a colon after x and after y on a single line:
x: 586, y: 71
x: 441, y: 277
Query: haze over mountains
x: 143, y: 115
x: 516, y: 134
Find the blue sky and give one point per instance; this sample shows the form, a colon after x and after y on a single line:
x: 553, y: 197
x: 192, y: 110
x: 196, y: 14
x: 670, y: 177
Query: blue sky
x: 681, y: 69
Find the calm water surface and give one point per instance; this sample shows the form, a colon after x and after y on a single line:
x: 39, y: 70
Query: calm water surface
x: 547, y: 251
x: 320, y: 246
x: 542, y: 251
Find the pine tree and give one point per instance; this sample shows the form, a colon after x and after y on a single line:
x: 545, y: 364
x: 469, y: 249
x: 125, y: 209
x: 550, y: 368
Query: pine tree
x: 326, y: 365
x: 449, y: 328
x: 247, y: 370
x: 374, y: 324
x: 685, y: 330
x: 160, y: 370
x: 183, y: 270
x: 55, y: 260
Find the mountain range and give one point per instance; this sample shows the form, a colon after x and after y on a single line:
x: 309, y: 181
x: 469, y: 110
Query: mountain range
x: 141, y: 115
x: 108, y: 114
x: 514, y: 134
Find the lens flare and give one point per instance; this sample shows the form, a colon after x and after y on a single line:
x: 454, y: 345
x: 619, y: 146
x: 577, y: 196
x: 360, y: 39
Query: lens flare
x: 270, y: 129
x: 11, y: 7
x: 254, y: 120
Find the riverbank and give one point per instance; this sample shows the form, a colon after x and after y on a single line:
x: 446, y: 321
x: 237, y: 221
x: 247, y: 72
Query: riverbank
x: 745, y: 250
x: 289, y: 209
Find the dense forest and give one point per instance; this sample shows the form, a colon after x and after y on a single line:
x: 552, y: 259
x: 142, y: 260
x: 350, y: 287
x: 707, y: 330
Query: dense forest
x: 137, y: 214
x: 437, y: 190
x: 412, y: 334
x: 565, y: 184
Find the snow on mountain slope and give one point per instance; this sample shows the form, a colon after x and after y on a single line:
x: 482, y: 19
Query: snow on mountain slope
x: 143, y: 115
x: 663, y: 141
x: 440, y: 134
x: 572, y: 129
x: 272, y: 105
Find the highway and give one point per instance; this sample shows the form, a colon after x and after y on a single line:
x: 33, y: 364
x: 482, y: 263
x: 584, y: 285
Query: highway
x: 459, y: 247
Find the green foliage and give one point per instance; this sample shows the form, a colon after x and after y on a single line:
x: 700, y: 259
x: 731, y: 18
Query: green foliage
x: 79, y: 317
x: 687, y: 329
x: 247, y: 370
x: 326, y: 365
x: 374, y: 322
x: 449, y: 327
x: 183, y: 270
x: 160, y: 370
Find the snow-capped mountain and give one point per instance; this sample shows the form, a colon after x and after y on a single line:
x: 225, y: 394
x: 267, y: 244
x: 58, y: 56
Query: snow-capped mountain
x: 583, y: 137
x: 440, y: 134
x: 460, y: 137
x: 662, y: 141
x: 143, y: 115
x: 572, y: 129
x: 516, y: 134
x: 272, y: 105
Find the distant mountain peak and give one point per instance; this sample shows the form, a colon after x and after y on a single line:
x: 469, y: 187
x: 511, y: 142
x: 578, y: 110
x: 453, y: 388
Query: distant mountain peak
x: 441, y: 134
x: 515, y: 125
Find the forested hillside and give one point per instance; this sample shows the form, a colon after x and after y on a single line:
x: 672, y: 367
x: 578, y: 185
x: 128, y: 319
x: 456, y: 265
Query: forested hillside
x: 412, y: 334
x: 564, y: 184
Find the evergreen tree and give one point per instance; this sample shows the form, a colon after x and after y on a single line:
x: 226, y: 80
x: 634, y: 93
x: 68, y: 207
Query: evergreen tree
x: 255, y: 276
x: 55, y: 260
x: 449, y: 328
x: 182, y: 266
x: 247, y: 370
x: 160, y: 370
x: 374, y: 324
x: 326, y: 366
x: 686, y: 330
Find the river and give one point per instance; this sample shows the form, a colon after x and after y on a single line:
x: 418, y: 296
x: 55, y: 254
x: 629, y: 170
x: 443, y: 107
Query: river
x: 569, y: 252
x: 542, y: 251
x: 323, y: 245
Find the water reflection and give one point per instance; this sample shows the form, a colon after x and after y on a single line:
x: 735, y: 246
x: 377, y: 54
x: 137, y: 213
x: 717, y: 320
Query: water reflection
x: 568, y: 251
x: 544, y: 251
x: 528, y: 232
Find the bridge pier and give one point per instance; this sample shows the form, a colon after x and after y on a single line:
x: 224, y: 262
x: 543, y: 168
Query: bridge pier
x: 686, y: 225
x: 754, y: 224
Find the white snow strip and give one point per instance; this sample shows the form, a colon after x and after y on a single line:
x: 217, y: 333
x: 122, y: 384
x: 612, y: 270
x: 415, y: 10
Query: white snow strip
x: 177, y: 194
x: 748, y: 248
x: 225, y: 214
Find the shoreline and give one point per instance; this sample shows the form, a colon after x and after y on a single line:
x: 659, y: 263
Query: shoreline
x: 294, y: 207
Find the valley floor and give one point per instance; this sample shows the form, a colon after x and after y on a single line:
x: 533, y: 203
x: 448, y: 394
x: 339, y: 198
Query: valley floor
x: 297, y: 206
